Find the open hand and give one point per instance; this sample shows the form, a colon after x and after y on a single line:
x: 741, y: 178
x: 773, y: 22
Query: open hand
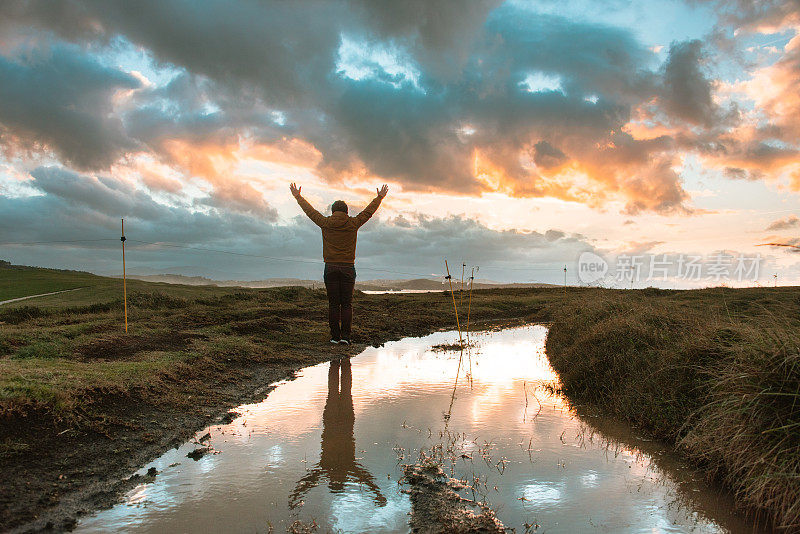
x: 294, y: 189
x: 382, y: 192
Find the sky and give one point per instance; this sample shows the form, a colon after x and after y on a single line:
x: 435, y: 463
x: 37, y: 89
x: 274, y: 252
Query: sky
x: 517, y: 137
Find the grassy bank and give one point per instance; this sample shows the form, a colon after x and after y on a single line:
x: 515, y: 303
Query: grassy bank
x: 716, y: 372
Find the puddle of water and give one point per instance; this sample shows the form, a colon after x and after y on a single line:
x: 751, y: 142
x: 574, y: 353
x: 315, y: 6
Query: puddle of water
x: 329, y: 446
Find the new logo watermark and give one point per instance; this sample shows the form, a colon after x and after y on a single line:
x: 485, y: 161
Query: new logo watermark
x: 591, y: 267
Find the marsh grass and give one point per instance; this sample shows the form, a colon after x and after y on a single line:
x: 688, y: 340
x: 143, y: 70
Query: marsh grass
x: 748, y: 430
x: 716, y: 372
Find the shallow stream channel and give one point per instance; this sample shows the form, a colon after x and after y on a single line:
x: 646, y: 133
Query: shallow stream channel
x: 328, y: 450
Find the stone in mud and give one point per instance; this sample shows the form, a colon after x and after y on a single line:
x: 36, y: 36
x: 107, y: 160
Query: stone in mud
x: 198, y: 453
x: 299, y: 527
x: 436, y: 506
x: 229, y: 417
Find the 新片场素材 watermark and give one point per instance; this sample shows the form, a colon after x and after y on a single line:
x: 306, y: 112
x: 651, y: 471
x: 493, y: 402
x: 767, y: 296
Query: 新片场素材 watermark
x: 633, y: 268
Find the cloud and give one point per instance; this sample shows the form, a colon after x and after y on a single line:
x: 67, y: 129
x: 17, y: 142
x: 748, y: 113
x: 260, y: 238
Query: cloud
x: 282, y: 50
x: 687, y: 90
x: 547, y: 156
x: 763, y: 139
x: 91, y: 207
x: 792, y: 246
x: 61, y: 99
x: 248, y: 60
x: 792, y: 221
x: 763, y: 17
x: 441, y: 96
x: 439, y: 34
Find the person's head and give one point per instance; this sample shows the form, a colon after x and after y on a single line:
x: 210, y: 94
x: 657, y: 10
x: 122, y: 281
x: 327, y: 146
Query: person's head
x: 339, y: 205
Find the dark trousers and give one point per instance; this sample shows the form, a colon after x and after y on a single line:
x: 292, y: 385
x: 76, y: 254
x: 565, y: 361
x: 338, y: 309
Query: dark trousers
x: 339, y: 283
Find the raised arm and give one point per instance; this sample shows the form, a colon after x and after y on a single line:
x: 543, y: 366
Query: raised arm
x: 372, y: 207
x: 313, y: 214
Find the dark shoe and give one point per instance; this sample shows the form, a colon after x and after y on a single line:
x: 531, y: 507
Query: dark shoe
x: 344, y: 341
x: 335, y: 341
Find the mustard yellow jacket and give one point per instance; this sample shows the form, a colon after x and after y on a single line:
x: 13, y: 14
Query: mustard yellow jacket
x: 339, y: 230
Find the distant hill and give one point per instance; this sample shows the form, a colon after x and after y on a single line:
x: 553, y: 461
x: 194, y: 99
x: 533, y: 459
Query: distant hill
x: 18, y: 281
x: 203, y: 281
x: 425, y: 284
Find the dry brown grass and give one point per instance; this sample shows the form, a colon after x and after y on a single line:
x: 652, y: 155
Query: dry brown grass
x: 717, y: 372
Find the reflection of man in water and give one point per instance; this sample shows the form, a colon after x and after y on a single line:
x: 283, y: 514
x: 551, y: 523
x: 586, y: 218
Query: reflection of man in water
x: 337, y: 461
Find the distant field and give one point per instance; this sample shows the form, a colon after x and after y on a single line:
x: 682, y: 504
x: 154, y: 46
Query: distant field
x: 17, y: 281
x: 21, y: 282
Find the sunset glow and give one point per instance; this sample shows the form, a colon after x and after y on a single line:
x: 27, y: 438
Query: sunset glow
x: 513, y: 135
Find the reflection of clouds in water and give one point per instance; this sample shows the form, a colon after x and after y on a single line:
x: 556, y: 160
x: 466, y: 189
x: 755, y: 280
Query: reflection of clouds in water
x: 589, y: 480
x: 542, y: 493
x: 409, y: 365
x: 277, y: 442
x: 283, y: 413
x: 138, y: 495
x: 207, y: 463
x: 274, y: 456
x: 355, y: 511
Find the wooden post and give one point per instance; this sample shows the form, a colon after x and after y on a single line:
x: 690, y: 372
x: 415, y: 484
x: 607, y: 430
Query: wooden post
x: 124, y: 277
x: 461, y: 292
x: 450, y: 280
x: 565, y: 279
x: 469, y: 302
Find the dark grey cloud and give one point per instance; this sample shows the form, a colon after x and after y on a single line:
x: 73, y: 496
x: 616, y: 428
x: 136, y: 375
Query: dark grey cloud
x: 792, y: 221
x: 687, y: 88
x: 590, y: 58
x: 104, y: 195
x: 546, y: 155
x: 117, y: 198
x: 281, y: 50
x: 60, y: 98
x: 405, y: 135
x: 417, y: 136
x: 76, y: 206
x: 440, y: 34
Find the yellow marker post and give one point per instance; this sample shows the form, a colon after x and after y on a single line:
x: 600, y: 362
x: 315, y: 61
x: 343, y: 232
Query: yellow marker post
x: 450, y: 280
x: 461, y: 292
x: 124, y: 278
x: 469, y: 301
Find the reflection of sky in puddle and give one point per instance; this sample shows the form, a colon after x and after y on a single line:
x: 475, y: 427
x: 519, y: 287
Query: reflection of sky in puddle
x: 332, y: 452
x: 541, y: 493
